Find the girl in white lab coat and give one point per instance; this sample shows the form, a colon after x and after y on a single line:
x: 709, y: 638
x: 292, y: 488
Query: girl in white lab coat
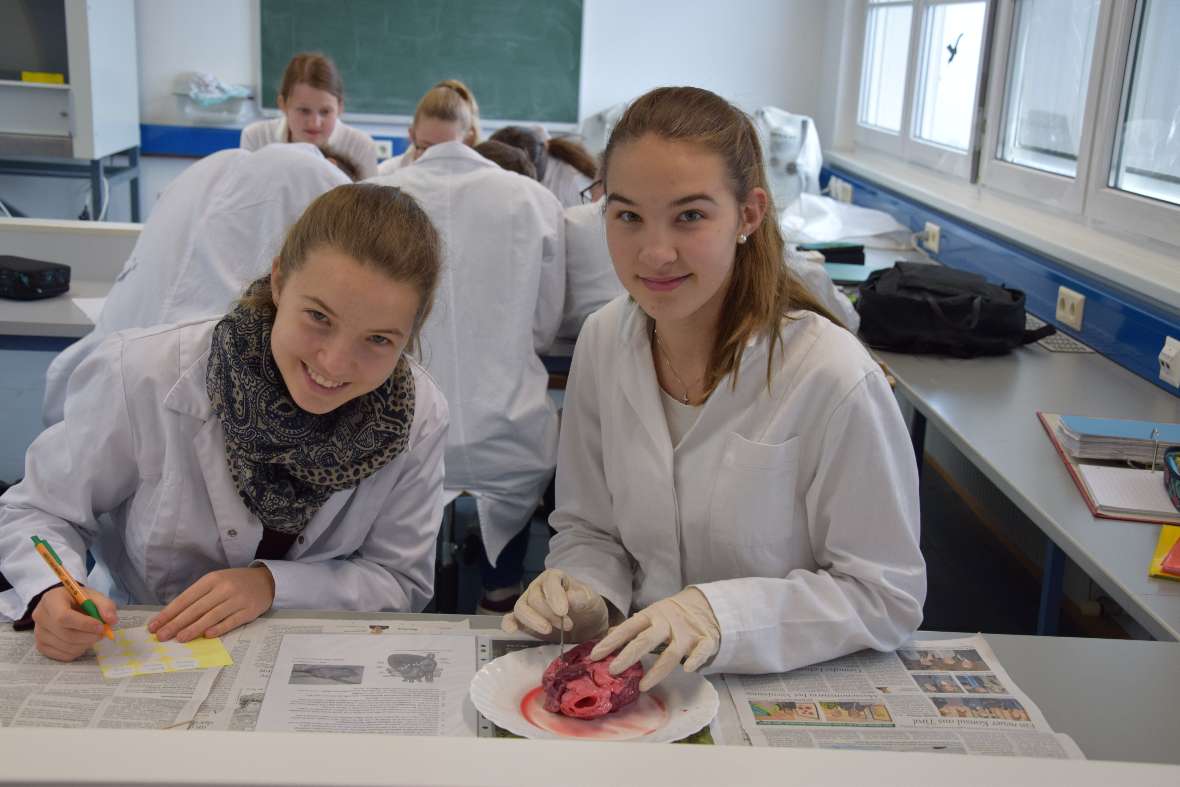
x: 733, y: 467
x: 288, y: 454
x: 311, y: 99
x: 447, y: 113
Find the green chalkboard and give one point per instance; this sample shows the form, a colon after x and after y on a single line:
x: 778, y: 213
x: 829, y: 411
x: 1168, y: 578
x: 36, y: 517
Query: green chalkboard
x: 521, y: 58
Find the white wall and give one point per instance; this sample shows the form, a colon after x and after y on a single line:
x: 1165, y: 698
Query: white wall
x: 753, y: 52
x: 177, y: 36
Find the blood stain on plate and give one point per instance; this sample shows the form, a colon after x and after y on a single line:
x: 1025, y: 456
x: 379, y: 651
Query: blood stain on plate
x: 642, y: 717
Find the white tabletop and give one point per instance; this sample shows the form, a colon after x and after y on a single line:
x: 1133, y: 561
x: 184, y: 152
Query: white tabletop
x: 55, y: 317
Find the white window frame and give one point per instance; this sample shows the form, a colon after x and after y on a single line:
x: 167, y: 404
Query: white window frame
x: 870, y: 136
x: 1048, y: 189
x: 904, y: 144
x: 1119, y: 210
x: 929, y: 154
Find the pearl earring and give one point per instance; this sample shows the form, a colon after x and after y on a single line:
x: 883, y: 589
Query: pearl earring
x: 741, y: 238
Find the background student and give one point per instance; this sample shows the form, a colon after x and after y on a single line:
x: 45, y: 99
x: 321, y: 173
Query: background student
x: 447, y: 113
x: 311, y: 99
x: 288, y: 454
x: 499, y: 305
x: 507, y: 157
x: 563, y: 165
x: 733, y: 466
x: 214, y: 230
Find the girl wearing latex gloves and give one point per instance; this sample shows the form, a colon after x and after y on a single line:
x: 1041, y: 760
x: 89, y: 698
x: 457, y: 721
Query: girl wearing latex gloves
x: 288, y: 454
x: 732, y: 463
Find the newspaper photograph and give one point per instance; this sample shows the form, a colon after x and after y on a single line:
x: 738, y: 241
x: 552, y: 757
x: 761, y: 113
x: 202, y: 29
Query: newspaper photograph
x: 947, y: 696
x: 36, y: 691
x: 236, y: 696
x: 406, y: 684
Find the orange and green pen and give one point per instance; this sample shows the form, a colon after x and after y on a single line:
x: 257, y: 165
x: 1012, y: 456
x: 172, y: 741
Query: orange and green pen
x: 46, y: 551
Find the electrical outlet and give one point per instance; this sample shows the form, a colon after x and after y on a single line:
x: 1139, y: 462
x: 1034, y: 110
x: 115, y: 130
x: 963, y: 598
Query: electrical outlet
x: 1070, y: 306
x: 931, y: 236
x: 384, y: 148
x: 1170, y: 362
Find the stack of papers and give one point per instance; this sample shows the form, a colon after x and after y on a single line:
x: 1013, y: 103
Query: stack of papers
x: 1116, y: 439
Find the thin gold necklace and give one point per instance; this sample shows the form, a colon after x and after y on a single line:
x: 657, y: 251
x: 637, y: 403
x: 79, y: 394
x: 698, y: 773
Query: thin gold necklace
x: 668, y: 360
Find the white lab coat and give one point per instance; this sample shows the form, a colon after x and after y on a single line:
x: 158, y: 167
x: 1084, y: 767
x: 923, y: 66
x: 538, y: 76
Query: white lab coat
x: 141, y: 444
x: 214, y: 230
x: 590, y: 278
x: 566, y: 182
x: 795, y: 511
x: 498, y: 304
x: 357, y: 145
x: 392, y: 165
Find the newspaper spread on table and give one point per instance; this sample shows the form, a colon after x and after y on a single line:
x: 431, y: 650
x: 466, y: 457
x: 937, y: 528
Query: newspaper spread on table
x: 948, y: 696
x: 36, y: 691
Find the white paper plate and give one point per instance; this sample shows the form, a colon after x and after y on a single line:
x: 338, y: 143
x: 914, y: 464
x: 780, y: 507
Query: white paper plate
x: 679, y: 706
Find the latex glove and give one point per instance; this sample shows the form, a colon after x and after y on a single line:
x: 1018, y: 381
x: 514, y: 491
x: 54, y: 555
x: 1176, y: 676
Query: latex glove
x: 684, y: 622
x: 216, y: 604
x: 557, y: 600
x: 62, y: 631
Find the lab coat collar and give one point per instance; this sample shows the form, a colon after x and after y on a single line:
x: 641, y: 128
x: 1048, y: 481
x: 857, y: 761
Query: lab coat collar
x: 189, y: 394
x: 799, y: 329
x: 454, y: 150
x: 639, y: 383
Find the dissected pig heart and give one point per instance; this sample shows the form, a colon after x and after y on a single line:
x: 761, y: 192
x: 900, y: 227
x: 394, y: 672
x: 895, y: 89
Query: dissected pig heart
x: 583, y: 689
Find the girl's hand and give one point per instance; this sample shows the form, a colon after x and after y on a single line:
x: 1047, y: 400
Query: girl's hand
x: 64, y: 632
x: 215, y: 604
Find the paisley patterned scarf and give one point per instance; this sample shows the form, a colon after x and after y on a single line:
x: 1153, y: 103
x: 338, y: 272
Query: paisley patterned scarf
x: 284, y: 461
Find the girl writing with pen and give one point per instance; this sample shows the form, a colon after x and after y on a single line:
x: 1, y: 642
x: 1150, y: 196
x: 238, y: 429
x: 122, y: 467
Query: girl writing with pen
x: 288, y: 454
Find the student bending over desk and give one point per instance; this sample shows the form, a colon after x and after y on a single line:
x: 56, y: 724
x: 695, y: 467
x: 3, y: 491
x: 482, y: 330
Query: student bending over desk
x: 759, y: 521
x: 286, y: 455
x: 447, y: 113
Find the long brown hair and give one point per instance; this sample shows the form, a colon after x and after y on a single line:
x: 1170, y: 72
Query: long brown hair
x: 378, y: 226
x: 453, y: 102
x: 313, y: 69
x: 762, y: 290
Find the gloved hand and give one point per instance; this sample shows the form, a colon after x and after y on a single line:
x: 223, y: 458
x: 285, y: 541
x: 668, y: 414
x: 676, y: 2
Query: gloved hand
x: 555, y: 599
x: 684, y: 621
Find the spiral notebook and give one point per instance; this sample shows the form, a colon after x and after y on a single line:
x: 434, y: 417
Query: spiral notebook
x: 1114, y: 491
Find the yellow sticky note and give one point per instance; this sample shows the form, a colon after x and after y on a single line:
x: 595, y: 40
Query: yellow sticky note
x: 44, y: 77
x: 135, y: 651
x: 1169, y: 535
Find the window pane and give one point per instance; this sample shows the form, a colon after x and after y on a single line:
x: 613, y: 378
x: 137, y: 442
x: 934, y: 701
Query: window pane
x: 951, y: 41
x: 1148, y: 155
x: 882, y: 83
x: 1049, y: 74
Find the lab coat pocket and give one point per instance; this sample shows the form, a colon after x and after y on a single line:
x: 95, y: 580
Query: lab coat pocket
x: 753, y: 503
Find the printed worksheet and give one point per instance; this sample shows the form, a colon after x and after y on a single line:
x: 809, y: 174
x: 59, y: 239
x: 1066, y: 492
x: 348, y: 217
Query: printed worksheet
x: 413, y: 684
